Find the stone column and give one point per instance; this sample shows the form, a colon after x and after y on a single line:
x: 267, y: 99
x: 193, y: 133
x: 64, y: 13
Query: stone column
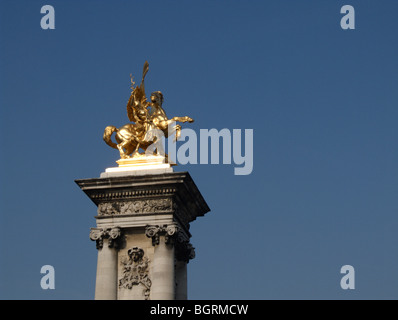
x: 184, y: 252
x: 163, y: 270
x: 181, y: 280
x: 106, y: 281
x: 151, y: 209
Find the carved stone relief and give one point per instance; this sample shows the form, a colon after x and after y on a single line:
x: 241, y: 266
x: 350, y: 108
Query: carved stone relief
x: 135, y: 271
x: 134, y: 207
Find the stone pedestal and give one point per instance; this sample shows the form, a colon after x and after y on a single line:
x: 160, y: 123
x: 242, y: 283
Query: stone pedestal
x: 142, y: 233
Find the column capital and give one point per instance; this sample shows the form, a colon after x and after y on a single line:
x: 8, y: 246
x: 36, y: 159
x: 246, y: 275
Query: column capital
x: 168, y: 231
x: 184, y: 249
x: 112, y: 234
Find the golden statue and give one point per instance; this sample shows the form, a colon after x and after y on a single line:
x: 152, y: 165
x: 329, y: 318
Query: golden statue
x: 146, y: 116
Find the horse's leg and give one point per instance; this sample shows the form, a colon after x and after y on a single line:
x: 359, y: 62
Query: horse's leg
x: 123, y: 155
x: 120, y: 146
x: 135, y: 150
x: 130, y: 149
x: 183, y: 119
x: 168, y: 130
x: 165, y: 126
x: 177, y: 129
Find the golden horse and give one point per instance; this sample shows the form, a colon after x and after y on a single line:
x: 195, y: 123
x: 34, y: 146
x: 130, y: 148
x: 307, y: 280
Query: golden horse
x: 148, y: 116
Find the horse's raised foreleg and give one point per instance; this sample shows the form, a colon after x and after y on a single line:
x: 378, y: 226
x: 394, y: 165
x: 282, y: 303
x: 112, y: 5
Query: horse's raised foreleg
x: 183, y: 119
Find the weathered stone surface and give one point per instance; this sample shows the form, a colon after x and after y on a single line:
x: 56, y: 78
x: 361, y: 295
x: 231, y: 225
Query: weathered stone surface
x: 144, y: 212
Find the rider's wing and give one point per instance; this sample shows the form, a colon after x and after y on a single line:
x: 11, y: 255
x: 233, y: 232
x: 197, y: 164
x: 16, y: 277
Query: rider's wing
x: 130, y: 112
x: 144, y: 72
x: 138, y: 93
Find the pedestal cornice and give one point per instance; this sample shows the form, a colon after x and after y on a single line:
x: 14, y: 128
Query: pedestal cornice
x: 168, y: 193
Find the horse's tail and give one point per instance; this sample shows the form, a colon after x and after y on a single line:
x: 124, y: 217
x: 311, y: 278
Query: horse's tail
x: 107, y: 136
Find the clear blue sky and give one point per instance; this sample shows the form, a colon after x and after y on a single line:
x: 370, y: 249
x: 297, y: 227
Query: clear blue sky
x: 322, y: 102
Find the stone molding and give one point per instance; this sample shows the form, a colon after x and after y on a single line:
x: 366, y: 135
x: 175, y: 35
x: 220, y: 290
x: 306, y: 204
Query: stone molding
x: 146, y: 194
x: 112, y: 196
